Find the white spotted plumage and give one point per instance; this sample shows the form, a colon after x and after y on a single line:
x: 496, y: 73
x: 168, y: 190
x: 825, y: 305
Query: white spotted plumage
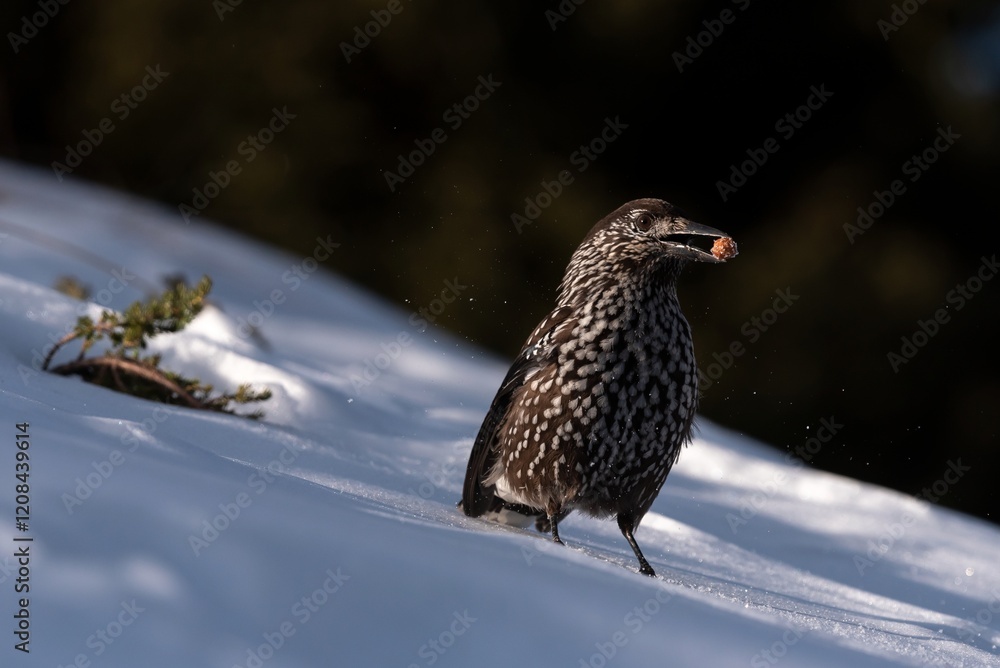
x: 600, y: 401
x: 614, y: 331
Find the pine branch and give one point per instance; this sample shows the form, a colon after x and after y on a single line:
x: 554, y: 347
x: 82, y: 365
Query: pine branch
x: 123, y: 369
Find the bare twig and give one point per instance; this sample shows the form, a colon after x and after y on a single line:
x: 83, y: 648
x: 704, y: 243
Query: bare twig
x: 59, y: 344
x: 98, y: 327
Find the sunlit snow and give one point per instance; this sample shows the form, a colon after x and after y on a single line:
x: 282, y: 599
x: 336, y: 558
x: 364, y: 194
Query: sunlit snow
x: 327, y: 534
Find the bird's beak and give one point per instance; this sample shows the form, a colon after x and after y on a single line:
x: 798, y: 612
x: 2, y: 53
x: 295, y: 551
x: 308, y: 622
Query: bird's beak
x: 693, y: 241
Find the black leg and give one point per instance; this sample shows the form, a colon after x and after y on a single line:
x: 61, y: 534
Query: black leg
x: 554, y: 521
x: 627, y: 524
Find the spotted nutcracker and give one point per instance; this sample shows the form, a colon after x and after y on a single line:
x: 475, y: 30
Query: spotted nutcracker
x: 595, y: 409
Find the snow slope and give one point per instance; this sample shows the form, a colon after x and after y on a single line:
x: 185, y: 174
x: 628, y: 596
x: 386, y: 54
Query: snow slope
x: 336, y: 541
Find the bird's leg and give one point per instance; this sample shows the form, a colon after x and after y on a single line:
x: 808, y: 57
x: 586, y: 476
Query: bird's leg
x: 554, y: 513
x: 555, y: 529
x: 627, y: 524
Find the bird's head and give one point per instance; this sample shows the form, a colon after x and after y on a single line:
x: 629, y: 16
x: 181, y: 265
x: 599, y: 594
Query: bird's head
x: 643, y: 236
x: 658, y: 228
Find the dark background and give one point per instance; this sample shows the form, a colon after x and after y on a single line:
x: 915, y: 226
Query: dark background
x: 825, y: 357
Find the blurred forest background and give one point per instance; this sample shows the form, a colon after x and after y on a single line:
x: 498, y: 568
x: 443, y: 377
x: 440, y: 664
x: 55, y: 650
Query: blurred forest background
x: 689, y: 87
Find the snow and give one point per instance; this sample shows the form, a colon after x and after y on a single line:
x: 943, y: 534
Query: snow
x: 336, y: 540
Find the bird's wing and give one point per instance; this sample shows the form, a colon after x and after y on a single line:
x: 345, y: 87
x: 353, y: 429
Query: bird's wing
x: 478, y: 498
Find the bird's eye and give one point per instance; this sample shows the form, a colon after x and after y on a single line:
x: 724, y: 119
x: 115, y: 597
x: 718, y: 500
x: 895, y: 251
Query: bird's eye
x: 644, y: 222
